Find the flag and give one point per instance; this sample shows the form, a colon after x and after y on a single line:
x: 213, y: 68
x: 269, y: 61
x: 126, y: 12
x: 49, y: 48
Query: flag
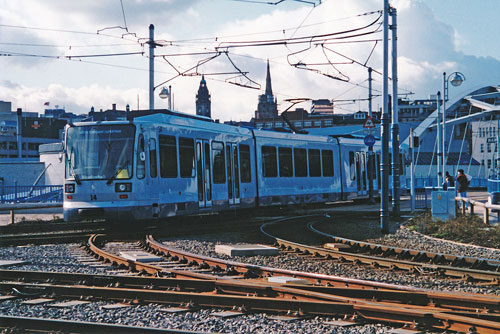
x: 46, y: 103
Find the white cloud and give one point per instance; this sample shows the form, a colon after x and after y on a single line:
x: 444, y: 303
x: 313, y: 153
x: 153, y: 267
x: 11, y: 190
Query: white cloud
x: 426, y: 48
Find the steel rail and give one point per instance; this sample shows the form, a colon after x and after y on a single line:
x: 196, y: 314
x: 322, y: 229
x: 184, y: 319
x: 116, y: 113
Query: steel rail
x: 29, y: 324
x: 392, y: 312
x: 418, y: 255
x: 492, y: 277
x: 317, y: 305
x: 464, y: 304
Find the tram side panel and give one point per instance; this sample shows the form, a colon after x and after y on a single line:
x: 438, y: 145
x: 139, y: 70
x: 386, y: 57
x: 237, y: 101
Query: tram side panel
x: 295, y: 169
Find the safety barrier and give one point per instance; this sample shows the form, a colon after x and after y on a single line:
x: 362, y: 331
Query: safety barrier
x: 461, y: 205
x: 422, y: 182
x: 493, y: 185
x: 31, y: 194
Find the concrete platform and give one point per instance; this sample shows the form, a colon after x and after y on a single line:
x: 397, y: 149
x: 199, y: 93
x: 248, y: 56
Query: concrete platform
x: 288, y: 280
x: 140, y: 256
x: 5, y: 263
x: 246, y: 250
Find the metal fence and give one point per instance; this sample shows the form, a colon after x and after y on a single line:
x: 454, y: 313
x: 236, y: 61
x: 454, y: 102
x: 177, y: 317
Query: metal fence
x: 493, y: 185
x: 31, y: 194
x: 422, y: 182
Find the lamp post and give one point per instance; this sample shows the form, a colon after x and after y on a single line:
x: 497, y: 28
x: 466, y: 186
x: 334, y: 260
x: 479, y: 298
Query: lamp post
x: 167, y: 93
x: 456, y: 80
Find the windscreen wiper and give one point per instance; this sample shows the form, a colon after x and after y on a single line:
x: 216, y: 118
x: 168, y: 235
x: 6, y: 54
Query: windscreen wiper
x: 77, y: 178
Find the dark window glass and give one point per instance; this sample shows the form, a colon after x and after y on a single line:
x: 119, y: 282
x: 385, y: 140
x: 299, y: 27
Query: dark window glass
x: 186, y: 157
x: 314, y: 163
x: 352, y: 168
x: 236, y: 172
x: 246, y: 167
x: 269, y: 163
x: 141, y: 158
x: 208, y: 176
x: 168, y: 156
x: 285, y: 160
x: 199, y: 168
x: 219, y: 163
x: 229, y: 172
x: 152, y: 158
x: 327, y: 160
x: 300, y: 157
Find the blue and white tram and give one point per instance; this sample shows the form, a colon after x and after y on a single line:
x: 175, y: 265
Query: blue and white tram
x: 161, y: 164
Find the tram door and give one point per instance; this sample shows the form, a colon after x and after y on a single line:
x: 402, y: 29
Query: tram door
x: 233, y: 174
x: 153, y: 172
x: 361, y: 173
x: 203, y: 173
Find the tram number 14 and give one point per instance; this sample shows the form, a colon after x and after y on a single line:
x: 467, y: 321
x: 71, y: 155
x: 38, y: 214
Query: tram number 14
x: 93, y: 197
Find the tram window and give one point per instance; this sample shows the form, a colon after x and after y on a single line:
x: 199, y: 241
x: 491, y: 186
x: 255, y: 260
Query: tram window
x: 186, y: 156
x: 152, y: 158
x: 352, y: 168
x: 314, y: 163
x: 141, y: 159
x: 269, y: 163
x: 246, y: 167
x: 327, y: 160
x: 285, y: 160
x: 168, y: 156
x: 300, y: 159
x: 219, y: 162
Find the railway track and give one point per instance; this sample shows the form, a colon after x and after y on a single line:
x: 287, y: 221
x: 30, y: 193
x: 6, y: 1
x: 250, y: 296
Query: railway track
x: 394, y: 258
x: 335, y: 296
x: 12, y: 324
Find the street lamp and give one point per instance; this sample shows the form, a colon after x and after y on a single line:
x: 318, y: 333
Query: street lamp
x: 166, y: 93
x: 456, y: 80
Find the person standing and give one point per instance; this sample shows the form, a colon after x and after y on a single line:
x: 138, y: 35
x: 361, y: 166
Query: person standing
x: 450, y: 180
x: 463, y: 184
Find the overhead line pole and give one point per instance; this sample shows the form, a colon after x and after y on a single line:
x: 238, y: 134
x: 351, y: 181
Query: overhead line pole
x: 371, y: 157
x: 151, y: 66
x: 384, y: 168
x: 395, y: 126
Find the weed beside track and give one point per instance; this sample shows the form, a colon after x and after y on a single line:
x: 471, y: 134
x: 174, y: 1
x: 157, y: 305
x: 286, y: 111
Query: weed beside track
x: 465, y: 229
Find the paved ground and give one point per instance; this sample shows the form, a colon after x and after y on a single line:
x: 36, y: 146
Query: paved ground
x: 49, y: 214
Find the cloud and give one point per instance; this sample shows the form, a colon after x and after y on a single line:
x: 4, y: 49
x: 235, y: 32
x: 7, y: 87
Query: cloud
x: 426, y: 47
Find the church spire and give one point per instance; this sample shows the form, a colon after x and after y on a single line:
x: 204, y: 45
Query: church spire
x: 269, y: 89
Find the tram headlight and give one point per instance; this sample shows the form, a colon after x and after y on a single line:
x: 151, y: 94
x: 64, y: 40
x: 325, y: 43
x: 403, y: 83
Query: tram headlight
x: 69, y: 188
x: 123, y: 187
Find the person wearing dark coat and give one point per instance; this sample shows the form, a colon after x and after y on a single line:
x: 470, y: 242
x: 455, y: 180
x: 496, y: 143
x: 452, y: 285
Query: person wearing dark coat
x: 450, y: 180
x: 462, y: 184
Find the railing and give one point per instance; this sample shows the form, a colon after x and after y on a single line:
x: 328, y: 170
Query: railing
x: 422, y: 182
x: 493, y: 185
x: 471, y: 203
x: 31, y: 194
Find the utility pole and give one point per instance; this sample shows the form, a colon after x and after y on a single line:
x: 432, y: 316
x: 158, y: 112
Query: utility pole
x: 396, y: 208
x: 151, y: 66
x: 384, y: 168
x: 412, y: 171
x: 445, y: 97
x: 439, y: 143
x: 371, y: 158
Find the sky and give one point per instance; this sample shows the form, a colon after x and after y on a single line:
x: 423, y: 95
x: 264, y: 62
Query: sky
x: 42, y: 44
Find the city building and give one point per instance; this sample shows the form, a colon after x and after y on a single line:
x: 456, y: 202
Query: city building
x: 203, y: 101
x: 267, y: 107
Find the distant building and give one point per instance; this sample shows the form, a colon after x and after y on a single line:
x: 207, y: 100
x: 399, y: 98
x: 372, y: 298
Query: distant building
x: 112, y: 114
x: 203, y: 102
x: 268, y: 105
x: 322, y: 106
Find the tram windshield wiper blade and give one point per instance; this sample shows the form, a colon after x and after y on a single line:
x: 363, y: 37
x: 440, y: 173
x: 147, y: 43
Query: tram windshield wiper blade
x: 112, y: 177
x: 77, y: 178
